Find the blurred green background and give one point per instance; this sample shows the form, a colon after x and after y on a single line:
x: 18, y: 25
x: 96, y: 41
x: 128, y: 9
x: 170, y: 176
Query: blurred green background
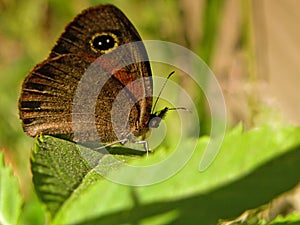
x: 251, y: 46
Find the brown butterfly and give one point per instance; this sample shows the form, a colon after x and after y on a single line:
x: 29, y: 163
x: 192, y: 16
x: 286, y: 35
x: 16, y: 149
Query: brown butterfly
x: 46, y: 104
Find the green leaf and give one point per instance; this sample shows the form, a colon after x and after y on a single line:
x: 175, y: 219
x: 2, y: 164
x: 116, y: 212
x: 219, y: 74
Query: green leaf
x: 292, y: 218
x: 251, y: 169
x: 33, y: 212
x: 10, y: 198
x: 62, y: 169
x: 58, y: 169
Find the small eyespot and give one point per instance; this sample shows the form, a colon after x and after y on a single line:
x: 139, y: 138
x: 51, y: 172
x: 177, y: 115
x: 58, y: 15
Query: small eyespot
x: 104, y: 42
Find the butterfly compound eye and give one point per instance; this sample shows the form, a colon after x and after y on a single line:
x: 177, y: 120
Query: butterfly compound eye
x: 104, y: 42
x: 154, y: 122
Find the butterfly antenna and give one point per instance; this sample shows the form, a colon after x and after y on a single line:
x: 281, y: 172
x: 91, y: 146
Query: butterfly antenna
x: 162, y: 88
x: 180, y: 108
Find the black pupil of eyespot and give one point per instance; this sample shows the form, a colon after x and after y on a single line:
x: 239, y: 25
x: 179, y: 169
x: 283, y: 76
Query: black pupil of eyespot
x: 104, y: 42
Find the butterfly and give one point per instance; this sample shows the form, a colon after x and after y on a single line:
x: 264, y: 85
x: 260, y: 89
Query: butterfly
x: 46, y: 103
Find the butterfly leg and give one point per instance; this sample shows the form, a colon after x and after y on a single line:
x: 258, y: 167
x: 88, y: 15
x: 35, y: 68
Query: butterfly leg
x: 122, y: 142
x: 146, y: 145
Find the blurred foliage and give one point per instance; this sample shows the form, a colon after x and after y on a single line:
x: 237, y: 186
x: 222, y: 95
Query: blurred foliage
x: 11, y: 200
x: 28, y: 30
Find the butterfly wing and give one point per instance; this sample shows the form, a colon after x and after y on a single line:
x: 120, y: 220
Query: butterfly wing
x: 47, y: 102
x: 78, y: 34
x: 47, y: 98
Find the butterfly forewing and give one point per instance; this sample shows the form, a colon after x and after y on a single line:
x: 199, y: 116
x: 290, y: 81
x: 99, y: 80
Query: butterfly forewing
x: 47, y: 99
